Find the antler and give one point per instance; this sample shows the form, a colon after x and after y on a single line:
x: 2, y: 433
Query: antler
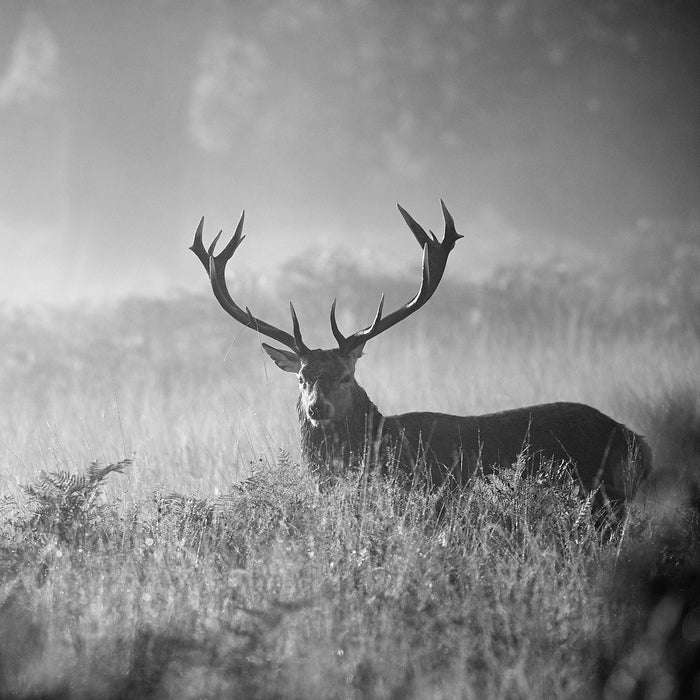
x: 435, y: 255
x: 215, y: 265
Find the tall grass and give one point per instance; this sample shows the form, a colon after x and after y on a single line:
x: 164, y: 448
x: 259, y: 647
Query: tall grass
x: 279, y: 591
x: 191, y: 393
x: 212, y: 566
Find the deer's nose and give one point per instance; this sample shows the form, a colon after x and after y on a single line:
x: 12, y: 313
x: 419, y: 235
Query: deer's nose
x: 320, y: 408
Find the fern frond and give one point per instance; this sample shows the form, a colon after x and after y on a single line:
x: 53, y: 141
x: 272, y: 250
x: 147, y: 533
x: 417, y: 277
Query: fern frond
x: 63, y: 501
x: 98, y: 474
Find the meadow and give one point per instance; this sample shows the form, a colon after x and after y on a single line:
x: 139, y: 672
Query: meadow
x: 160, y: 539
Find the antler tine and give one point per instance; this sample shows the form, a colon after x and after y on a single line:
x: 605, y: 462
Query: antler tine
x: 212, y: 245
x: 417, y: 230
x: 297, y: 330
x: 340, y: 338
x: 198, y: 248
x: 235, y: 241
x: 450, y: 230
x: 215, y: 265
x: 435, y: 254
x: 378, y: 315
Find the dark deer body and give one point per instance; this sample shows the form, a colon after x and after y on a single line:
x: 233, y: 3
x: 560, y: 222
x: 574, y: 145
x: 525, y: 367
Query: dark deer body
x: 443, y: 447
x: 564, y: 432
x: 340, y: 426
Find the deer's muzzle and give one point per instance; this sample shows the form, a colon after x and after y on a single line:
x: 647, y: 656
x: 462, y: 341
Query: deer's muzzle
x: 319, y: 410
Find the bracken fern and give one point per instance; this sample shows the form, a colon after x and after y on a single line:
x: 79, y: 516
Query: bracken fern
x: 65, y: 503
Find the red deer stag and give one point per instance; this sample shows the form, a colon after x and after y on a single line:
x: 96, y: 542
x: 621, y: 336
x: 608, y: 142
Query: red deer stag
x: 341, y: 426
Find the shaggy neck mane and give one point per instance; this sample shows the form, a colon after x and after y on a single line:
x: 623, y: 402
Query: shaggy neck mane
x: 330, y: 449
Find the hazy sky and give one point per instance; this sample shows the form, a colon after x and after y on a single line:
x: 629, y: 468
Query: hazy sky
x: 545, y: 125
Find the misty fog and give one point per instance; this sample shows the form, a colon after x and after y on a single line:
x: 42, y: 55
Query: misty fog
x: 549, y: 128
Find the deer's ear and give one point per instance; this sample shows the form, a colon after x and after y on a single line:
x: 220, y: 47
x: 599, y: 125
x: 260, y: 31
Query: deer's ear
x: 356, y: 354
x: 285, y: 359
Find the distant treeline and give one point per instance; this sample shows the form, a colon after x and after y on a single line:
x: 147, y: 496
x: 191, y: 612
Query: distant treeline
x: 652, y: 284
x: 652, y: 290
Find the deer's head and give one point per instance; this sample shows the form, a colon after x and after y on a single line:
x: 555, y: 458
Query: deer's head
x: 327, y: 377
x: 327, y: 383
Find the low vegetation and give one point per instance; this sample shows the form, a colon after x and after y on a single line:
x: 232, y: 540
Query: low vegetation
x: 364, y: 590
x: 159, y: 538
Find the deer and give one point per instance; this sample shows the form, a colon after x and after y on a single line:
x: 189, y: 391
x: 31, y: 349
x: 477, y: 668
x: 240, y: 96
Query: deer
x: 341, y: 428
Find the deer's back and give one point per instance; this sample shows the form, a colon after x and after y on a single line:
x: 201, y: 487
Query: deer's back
x: 599, y: 446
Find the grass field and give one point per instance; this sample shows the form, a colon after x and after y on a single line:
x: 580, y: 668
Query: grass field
x: 212, y: 566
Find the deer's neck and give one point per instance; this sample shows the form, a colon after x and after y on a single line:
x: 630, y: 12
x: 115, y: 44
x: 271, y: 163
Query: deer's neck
x: 332, y: 449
